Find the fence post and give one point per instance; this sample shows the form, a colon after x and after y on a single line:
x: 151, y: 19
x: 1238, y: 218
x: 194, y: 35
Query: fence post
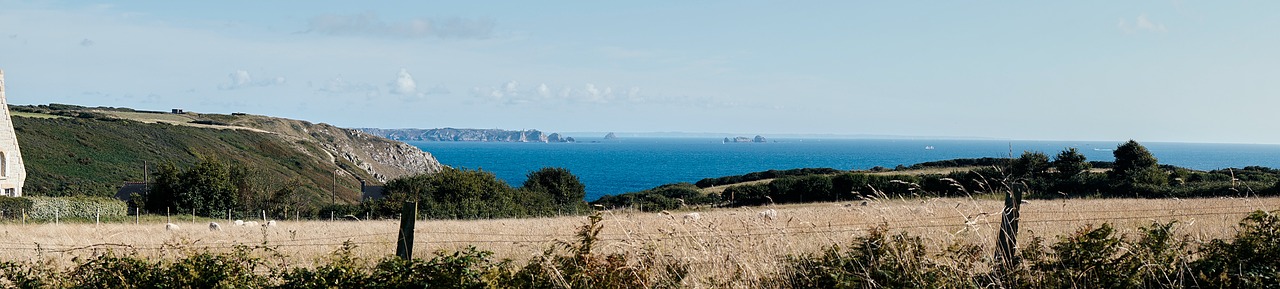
x: 1007, y: 241
x: 404, y: 243
x: 136, y: 217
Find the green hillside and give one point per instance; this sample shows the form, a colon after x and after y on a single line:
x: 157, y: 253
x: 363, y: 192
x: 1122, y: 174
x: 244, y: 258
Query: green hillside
x: 91, y: 154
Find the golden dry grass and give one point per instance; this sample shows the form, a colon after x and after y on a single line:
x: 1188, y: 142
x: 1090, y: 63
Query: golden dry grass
x: 722, y: 243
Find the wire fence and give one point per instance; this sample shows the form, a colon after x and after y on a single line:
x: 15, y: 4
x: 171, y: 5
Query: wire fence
x: 787, y: 228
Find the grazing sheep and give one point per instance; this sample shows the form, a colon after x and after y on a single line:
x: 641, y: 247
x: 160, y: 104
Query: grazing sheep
x: 692, y: 217
x: 250, y: 224
x: 171, y: 226
x: 768, y: 214
x: 240, y: 223
x: 271, y: 223
x: 214, y: 226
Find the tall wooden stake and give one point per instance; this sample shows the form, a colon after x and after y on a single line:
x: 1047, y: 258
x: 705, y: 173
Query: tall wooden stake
x: 404, y: 243
x: 1007, y: 241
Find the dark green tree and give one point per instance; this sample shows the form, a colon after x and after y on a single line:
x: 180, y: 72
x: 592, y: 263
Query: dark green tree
x: 1031, y: 165
x: 1135, y: 166
x: 164, y: 188
x: 207, y: 187
x: 562, y: 185
x: 1070, y: 163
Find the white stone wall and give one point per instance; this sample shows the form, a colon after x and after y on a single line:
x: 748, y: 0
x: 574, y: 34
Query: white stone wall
x: 12, y: 173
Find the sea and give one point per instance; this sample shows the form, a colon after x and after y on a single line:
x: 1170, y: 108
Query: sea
x: 610, y: 167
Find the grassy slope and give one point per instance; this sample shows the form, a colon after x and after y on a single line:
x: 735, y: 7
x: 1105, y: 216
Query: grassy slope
x: 84, y: 156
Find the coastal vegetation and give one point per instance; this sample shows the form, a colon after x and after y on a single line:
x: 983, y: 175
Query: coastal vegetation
x: 475, y: 194
x: 1134, y: 172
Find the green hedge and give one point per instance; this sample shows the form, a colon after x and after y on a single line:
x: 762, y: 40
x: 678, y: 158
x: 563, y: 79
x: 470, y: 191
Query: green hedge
x: 13, y: 207
x: 45, y: 208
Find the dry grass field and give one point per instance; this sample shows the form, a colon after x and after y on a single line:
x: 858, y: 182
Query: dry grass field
x: 719, y: 244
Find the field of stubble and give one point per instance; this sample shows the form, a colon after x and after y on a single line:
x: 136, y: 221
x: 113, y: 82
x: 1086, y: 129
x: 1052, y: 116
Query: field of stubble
x: 719, y: 242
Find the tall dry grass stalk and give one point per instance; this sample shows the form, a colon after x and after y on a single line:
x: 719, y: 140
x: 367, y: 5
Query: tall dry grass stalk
x: 725, y: 247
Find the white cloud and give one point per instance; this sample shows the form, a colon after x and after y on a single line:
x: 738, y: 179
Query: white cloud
x: 242, y: 79
x: 1141, y: 24
x: 544, y: 91
x: 338, y: 85
x: 404, y: 84
x: 369, y: 24
x: 512, y: 93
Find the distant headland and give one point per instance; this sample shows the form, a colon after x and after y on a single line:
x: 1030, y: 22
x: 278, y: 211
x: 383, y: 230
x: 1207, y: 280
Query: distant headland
x: 467, y: 134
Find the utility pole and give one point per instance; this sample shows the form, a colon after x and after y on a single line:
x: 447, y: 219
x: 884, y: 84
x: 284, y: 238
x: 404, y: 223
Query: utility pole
x: 333, y: 191
x: 146, y: 181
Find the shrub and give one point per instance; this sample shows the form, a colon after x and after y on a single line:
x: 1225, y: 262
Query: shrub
x: 13, y: 207
x: 583, y: 268
x: 46, y: 208
x: 875, y: 260
x: 1252, y: 260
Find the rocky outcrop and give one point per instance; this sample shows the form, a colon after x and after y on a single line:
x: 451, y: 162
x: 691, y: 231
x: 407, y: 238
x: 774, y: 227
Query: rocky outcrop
x: 379, y: 157
x: 556, y: 137
x: 610, y: 136
x: 741, y: 139
x: 464, y: 134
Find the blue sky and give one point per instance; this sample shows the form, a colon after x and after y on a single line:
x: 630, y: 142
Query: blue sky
x: 1071, y: 70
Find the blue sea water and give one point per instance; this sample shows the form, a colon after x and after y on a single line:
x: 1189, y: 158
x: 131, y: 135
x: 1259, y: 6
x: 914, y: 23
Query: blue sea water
x: 633, y: 164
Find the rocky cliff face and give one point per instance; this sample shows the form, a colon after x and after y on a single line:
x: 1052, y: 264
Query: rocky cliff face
x: 382, y: 158
x: 463, y: 134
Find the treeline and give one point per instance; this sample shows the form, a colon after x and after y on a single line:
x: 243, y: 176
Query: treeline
x: 756, y: 176
x: 1133, y: 173
x: 475, y: 194
x: 213, y: 188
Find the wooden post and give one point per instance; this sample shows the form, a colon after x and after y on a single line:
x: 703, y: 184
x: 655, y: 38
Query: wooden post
x: 404, y: 243
x: 264, y: 216
x: 97, y: 216
x: 136, y: 216
x: 1007, y: 241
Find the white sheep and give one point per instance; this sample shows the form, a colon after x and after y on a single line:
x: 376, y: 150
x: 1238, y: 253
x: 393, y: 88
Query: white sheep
x: 768, y: 214
x: 271, y: 223
x: 250, y: 224
x: 239, y: 223
x: 692, y: 217
x: 171, y: 227
x: 214, y: 226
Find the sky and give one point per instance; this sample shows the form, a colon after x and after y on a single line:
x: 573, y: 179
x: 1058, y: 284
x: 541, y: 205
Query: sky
x: 1170, y: 71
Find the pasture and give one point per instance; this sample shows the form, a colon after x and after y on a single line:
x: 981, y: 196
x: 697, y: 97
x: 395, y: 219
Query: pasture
x: 719, y: 243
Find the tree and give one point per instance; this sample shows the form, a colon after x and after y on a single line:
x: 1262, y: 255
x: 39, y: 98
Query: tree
x: 562, y: 185
x: 1031, y: 165
x: 1135, y: 166
x: 1070, y: 163
x: 164, y: 188
x: 207, y: 187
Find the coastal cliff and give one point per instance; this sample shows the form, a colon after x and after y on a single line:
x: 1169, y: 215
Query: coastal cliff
x: 466, y: 134
x: 89, y: 151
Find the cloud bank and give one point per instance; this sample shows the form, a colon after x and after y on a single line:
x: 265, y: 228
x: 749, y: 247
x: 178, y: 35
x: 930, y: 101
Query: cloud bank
x: 1141, y: 24
x: 369, y: 24
x: 242, y: 79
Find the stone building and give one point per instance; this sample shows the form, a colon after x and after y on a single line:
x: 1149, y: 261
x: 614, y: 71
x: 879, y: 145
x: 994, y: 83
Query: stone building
x: 12, y: 172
